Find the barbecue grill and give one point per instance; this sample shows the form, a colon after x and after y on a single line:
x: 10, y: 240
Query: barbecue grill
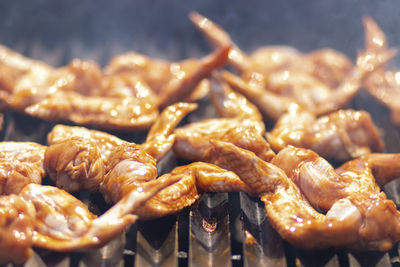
x: 220, y: 229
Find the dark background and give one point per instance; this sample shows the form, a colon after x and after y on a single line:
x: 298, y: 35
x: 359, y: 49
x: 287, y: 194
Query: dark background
x: 57, y: 31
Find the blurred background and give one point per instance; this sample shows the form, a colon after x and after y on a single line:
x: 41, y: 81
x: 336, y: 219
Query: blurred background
x: 57, y: 31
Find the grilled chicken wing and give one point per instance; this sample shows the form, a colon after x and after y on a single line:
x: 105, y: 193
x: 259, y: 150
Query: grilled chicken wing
x: 275, y: 77
x: 307, y: 92
x: 327, y: 64
x: 383, y: 85
x: 171, y: 81
x: 297, y: 182
x: 78, y: 158
x: 21, y: 163
x: 195, y: 179
x: 119, y: 111
x: 50, y: 218
x: 122, y: 114
x: 241, y: 124
x: 117, y: 97
x: 16, y: 219
x: 338, y: 136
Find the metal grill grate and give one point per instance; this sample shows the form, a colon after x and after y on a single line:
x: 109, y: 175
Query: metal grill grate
x: 219, y: 230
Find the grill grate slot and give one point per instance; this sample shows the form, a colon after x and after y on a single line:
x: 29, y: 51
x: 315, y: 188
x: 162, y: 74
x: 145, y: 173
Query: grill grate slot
x: 209, y: 240
x: 155, y: 245
x: 262, y: 245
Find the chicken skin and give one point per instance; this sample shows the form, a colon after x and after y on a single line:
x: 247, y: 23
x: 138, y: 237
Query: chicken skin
x: 383, y: 85
x: 21, y: 163
x: 241, y: 124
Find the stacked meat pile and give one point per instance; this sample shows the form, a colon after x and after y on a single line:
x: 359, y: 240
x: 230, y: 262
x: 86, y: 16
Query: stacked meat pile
x: 309, y: 202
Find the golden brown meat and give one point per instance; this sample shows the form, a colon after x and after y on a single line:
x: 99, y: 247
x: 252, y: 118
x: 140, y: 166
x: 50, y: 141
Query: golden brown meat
x: 16, y: 218
x: 124, y: 114
x: 171, y: 81
x: 127, y: 168
x: 338, y: 136
x: 383, y: 85
x: 23, y: 78
x: 160, y: 137
x: 300, y: 89
x: 328, y: 65
x: 298, y: 181
x: 116, y: 98
x: 75, y: 164
x: 275, y: 77
x: 78, y: 158
x: 79, y: 92
x: 241, y: 124
x: 195, y: 179
x: 50, y: 218
x: 120, y: 110
x: 21, y: 163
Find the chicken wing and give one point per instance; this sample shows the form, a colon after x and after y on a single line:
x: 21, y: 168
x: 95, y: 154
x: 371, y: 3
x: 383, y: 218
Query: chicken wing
x: 338, y: 136
x: 50, y: 218
x: 78, y: 158
x: 383, y: 85
x: 307, y: 92
x: 298, y: 181
x: 171, y: 81
x: 275, y: 77
x: 117, y: 98
x: 333, y: 66
x: 241, y: 124
x: 119, y: 111
x: 16, y: 218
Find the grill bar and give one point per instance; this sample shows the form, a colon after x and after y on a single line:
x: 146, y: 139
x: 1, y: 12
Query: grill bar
x: 315, y: 258
x: 209, y: 241
x: 262, y: 246
x: 371, y: 259
x: 155, y: 251
x: 109, y: 255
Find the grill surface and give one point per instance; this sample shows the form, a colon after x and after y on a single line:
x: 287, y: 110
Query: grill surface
x: 221, y: 229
